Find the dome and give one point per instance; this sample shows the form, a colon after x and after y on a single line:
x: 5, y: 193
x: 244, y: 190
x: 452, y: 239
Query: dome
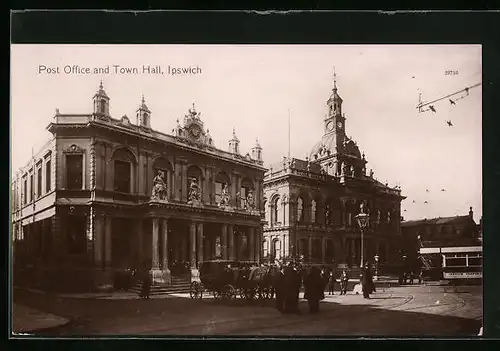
x: 351, y: 148
x: 327, y: 145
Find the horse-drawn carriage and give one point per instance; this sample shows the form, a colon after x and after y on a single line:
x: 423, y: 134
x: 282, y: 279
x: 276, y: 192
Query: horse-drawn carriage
x: 227, y: 280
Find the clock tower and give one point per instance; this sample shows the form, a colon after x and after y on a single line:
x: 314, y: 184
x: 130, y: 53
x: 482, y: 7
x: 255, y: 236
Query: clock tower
x: 334, y: 120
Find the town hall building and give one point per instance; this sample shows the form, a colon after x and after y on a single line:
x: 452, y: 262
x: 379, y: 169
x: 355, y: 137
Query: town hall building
x: 106, y: 194
x: 311, y: 204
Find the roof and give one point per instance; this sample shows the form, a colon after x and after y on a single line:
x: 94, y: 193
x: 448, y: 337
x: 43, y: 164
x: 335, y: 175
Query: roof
x: 437, y: 221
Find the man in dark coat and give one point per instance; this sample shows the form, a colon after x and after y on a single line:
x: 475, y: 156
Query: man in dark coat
x: 314, y: 287
x: 367, y: 281
x: 291, y: 285
x: 147, y: 280
x: 280, y: 291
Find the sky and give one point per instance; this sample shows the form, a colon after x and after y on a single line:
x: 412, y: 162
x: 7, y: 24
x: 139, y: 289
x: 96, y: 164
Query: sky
x: 253, y: 88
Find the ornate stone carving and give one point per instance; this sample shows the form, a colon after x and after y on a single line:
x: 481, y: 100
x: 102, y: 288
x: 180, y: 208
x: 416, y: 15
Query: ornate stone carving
x: 194, y: 194
x: 160, y: 189
x: 73, y: 149
x: 328, y: 213
x: 225, y: 196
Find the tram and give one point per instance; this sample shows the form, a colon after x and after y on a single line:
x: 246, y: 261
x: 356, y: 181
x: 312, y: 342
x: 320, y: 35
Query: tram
x: 459, y: 264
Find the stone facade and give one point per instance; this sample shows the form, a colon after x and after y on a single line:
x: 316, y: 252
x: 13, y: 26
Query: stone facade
x: 115, y: 195
x: 311, y: 204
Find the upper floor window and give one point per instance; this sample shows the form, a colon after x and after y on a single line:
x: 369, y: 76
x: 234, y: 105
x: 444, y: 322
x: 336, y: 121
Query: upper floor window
x: 122, y: 176
x: 246, y: 194
x: 48, y: 178
x: 275, y: 210
x: 39, y: 182
x: 313, y: 211
x: 300, y: 209
x: 74, y: 171
x: 25, y: 191
x: 222, y: 190
x: 32, y: 188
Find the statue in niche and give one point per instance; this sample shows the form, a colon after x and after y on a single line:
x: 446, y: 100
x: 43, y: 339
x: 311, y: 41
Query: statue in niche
x: 224, y: 200
x: 388, y: 216
x: 249, y: 203
x: 218, y: 247
x: 160, y: 189
x: 351, y: 171
x: 194, y: 191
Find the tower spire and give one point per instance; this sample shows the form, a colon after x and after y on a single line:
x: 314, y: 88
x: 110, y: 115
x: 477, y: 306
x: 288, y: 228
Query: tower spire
x: 334, y: 79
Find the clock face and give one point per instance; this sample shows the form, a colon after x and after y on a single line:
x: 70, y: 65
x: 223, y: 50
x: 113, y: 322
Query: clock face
x: 339, y: 125
x: 195, y: 131
x: 329, y: 126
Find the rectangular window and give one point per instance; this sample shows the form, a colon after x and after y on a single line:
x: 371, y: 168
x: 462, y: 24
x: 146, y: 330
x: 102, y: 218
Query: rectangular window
x: 25, y: 191
x: 122, y: 176
x: 39, y: 182
x: 243, y: 196
x: 218, y: 192
x: 32, y: 188
x: 74, y: 171
x: 76, y: 236
x: 48, y: 179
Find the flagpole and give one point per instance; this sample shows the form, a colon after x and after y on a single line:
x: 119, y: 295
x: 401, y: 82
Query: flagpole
x: 289, y: 118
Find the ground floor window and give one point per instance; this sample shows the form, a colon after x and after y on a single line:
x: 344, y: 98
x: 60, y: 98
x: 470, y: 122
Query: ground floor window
x: 76, y: 235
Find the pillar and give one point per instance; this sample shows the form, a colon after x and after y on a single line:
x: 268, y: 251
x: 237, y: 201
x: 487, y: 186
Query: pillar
x: 258, y: 243
x: 140, y: 242
x: 166, y: 271
x: 184, y: 181
x: 98, y: 241
x: 107, y: 243
x: 309, y: 249
x: 224, y: 242
x: 199, y: 241
x: 251, y: 243
x: 154, y: 253
x: 284, y: 247
x: 230, y: 230
x: 192, y: 242
x: 323, y: 250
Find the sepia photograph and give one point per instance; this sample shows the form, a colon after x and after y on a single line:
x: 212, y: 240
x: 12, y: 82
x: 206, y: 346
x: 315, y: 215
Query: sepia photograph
x: 246, y: 190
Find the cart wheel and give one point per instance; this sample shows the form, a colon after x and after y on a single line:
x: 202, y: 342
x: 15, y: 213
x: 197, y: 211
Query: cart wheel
x: 250, y: 294
x: 217, y: 294
x: 230, y: 292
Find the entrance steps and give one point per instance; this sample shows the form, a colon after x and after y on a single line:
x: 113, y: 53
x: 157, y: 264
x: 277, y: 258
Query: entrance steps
x: 180, y: 284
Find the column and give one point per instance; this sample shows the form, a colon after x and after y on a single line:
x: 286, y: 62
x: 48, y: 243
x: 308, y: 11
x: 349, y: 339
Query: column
x: 258, y: 243
x: 192, y: 241
x: 323, y: 250
x: 176, y: 181
x: 164, y: 225
x: 199, y: 241
x: 154, y: 252
x: 184, y: 181
x: 230, y: 233
x: 224, y: 242
x: 309, y: 248
x: 284, y: 247
x: 107, y: 243
x: 166, y: 271
x: 140, y: 240
x: 251, y: 243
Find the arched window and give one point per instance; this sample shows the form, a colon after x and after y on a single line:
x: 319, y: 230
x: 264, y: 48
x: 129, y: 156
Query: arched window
x: 275, y: 210
x: 276, y: 249
x: 146, y: 119
x: 103, y: 106
x: 300, y: 209
x: 124, y: 164
x: 313, y: 211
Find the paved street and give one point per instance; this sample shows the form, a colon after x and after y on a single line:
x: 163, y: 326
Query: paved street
x: 398, y: 311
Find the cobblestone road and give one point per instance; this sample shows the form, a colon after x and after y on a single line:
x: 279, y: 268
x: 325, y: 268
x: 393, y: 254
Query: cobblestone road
x: 400, y: 311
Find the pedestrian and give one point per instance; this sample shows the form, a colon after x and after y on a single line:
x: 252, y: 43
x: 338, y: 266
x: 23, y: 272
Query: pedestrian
x: 344, y: 279
x: 314, y: 289
x: 367, y: 281
x: 280, y: 291
x: 291, y: 286
x: 420, y: 277
x: 331, y: 284
x: 146, y: 284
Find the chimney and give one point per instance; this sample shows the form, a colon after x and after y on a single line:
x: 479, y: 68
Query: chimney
x: 471, y: 213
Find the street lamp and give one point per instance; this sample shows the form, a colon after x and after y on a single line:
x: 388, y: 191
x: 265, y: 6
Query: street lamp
x: 362, y: 219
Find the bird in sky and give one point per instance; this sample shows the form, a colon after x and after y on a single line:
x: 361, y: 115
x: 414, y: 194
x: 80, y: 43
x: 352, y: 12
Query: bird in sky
x: 452, y: 102
x: 427, y: 190
x: 426, y: 202
x: 414, y: 201
x: 432, y: 108
x: 449, y: 123
x: 404, y: 210
x: 443, y: 189
x: 413, y: 77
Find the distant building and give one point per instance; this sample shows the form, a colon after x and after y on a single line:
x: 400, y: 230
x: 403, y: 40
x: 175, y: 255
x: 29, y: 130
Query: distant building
x: 311, y: 204
x: 455, y: 231
x: 105, y: 194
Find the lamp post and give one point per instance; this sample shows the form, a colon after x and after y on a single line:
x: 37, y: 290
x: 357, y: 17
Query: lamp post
x: 362, y: 219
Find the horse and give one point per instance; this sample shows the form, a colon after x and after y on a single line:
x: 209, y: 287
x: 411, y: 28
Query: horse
x: 264, y: 279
